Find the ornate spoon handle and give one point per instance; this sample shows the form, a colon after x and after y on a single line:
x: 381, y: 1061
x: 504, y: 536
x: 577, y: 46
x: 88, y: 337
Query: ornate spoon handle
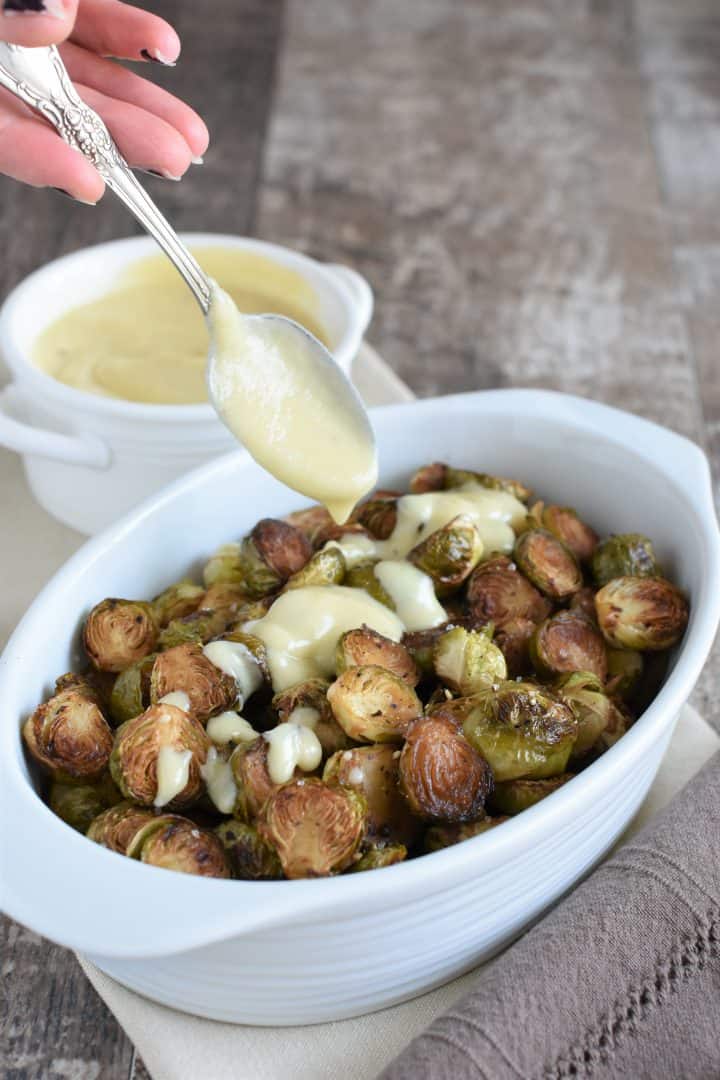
x: 40, y: 79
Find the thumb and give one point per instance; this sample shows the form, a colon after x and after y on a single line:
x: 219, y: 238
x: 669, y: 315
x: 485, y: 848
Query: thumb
x: 36, y: 22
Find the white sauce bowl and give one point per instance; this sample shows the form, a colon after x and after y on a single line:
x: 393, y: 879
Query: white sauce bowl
x: 298, y: 952
x: 90, y: 458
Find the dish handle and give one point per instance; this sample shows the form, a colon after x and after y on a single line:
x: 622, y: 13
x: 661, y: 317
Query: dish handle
x: 360, y: 291
x: 23, y: 438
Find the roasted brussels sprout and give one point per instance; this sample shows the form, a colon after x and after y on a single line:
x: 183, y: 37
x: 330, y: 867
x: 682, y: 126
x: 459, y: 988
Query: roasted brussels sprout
x: 131, y: 691
x: 514, y: 643
x: 372, y: 704
x: 201, y: 626
x: 497, y: 593
x: 584, y: 601
x: 449, y: 555
x: 442, y: 836
x: 625, y: 555
x: 441, y: 477
x: 565, y: 524
x: 375, y: 858
x: 225, y: 598
x: 124, y: 827
x: 624, y: 672
x: 514, y: 796
x: 441, y: 775
x: 363, y: 647
x: 316, y: 829
x: 182, y: 846
x: 176, y: 601
x: 250, y: 858
x: 373, y: 771
x: 69, y: 736
x: 467, y: 661
x: 95, y: 685
x: 326, y: 567
x: 311, y: 521
x: 523, y: 730
x: 119, y: 632
x: 568, y: 641
x: 224, y: 567
x: 645, y: 613
x: 249, y: 763
x: 79, y: 804
x: 306, y: 703
x: 378, y: 516
x: 157, y: 757
x: 594, y: 711
x: 428, y: 478
x: 548, y: 563
x: 186, y: 668
x: 362, y: 576
x: 272, y: 553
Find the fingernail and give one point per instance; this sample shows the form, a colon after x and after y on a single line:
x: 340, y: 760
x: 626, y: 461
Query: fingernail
x: 157, y: 58
x: 198, y: 160
x: 68, y: 195
x: 161, y: 175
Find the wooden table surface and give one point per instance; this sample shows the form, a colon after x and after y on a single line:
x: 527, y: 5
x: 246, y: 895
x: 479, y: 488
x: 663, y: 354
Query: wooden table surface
x: 532, y: 189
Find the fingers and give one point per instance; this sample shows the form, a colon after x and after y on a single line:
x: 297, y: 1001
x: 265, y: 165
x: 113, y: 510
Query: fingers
x: 116, y: 82
x: 36, y: 22
x: 111, y: 28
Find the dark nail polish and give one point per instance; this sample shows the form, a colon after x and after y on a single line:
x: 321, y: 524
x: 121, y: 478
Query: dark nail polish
x: 156, y: 59
x: 23, y: 5
x: 68, y: 195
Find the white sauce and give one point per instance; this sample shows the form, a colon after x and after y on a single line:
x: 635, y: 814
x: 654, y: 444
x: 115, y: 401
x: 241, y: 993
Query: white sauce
x: 492, y: 512
x: 302, y: 628
x: 356, y: 776
x: 297, y: 414
x: 173, y: 772
x: 413, y: 594
x: 219, y: 780
x: 178, y: 698
x: 236, y: 660
x: 229, y: 727
x: 305, y: 716
x: 355, y: 547
x: 291, y: 746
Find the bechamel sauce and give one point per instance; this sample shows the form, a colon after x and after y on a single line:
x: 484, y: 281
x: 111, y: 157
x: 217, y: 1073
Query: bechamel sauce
x: 291, y: 746
x: 297, y: 416
x: 236, y: 660
x: 494, y: 513
x: 305, y: 716
x: 412, y: 592
x: 355, y: 547
x: 230, y: 726
x: 219, y: 780
x: 173, y: 772
x: 178, y: 698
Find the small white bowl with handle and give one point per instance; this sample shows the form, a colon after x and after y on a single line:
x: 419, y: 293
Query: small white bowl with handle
x: 89, y: 458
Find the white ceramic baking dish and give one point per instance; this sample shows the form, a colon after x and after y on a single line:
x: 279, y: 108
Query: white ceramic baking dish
x: 304, y: 951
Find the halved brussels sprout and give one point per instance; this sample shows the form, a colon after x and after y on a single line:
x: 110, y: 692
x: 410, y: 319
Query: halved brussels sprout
x: 421, y: 645
x: 311, y: 521
x: 131, y: 691
x: 373, y: 771
x: 377, y: 857
x: 498, y: 593
x: 201, y: 626
x: 69, y: 736
x: 79, y: 804
x: 119, y: 632
x: 271, y: 554
x: 584, y: 600
x: 442, y: 836
x: 224, y: 566
x: 251, y: 859
x: 163, y: 737
x: 186, y: 668
x: 594, y: 711
x: 441, y: 775
x: 362, y: 576
x: 523, y: 730
x: 315, y: 829
x: 565, y: 524
x: 624, y: 672
x: 645, y: 613
x: 225, y: 598
x: 363, y: 647
x: 307, y: 703
x: 249, y: 763
x: 441, y: 477
x: 176, y: 601
x: 326, y: 567
x: 514, y: 642
x: 372, y: 704
x: 449, y: 555
x: 124, y: 827
x: 468, y: 660
x: 514, y: 796
x: 548, y: 563
x: 182, y: 846
x: 624, y: 555
x: 568, y: 641
x: 378, y: 516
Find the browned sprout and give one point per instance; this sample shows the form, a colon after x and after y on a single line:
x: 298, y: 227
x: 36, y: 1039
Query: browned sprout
x: 250, y: 858
x: 468, y: 660
x: 568, y: 641
x: 595, y: 712
x: 94, y: 684
x: 442, y: 776
x: 139, y: 744
x: 584, y: 601
x: 514, y: 642
x: 378, y: 516
x: 177, y: 601
x: 225, y: 598
x: 249, y: 763
x: 644, y: 613
x: 124, y: 827
x: 186, y: 668
x: 315, y: 828
x: 449, y: 555
x: 272, y: 553
x: 202, y: 626
x: 421, y: 645
x: 78, y: 804
x: 624, y: 555
x: 441, y: 477
x: 442, y: 836
x: 224, y: 567
x: 326, y: 567
x: 359, y: 648
x: 565, y: 524
x: 311, y: 521
x: 183, y: 846
x: 131, y: 691
x: 119, y: 632
x: 372, y: 704
x: 69, y: 736
x: 374, y: 772
x: 497, y: 593
x: 306, y: 703
x: 624, y: 672
x: 514, y: 796
x: 548, y: 563
x: 375, y: 858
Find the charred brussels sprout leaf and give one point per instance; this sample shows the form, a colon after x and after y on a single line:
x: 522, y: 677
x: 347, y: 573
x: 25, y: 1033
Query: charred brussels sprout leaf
x: 119, y: 632
x: 177, y: 601
x: 442, y: 776
x: 373, y: 771
x: 624, y: 555
x: 467, y: 661
x: 565, y: 524
x: 568, y: 641
x: 378, y: 516
x: 645, y: 613
x: 375, y: 858
x: 200, y: 627
x: 372, y: 704
x: 514, y: 796
x: 442, y: 836
x: 315, y: 829
x: 449, y: 555
x: 187, y: 669
x: 250, y: 858
x: 131, y: 691
x: 363, y: 647
x: 306, y: 703
x: 139, y: 744
x: 594, y: 711
x: 362, y: 576
x: 326, y: 567
x: 548, y: 563
x: 181, y: 845
x: 69, y: 736
x: 271, y: 554
x: 497, y: 593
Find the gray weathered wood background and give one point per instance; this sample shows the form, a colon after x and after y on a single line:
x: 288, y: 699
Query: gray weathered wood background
x: 533, y: 190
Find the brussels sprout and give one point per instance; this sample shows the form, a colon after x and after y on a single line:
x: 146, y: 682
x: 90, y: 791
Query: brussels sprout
x: 119, y: 632
x: 307, y: 703
x: 594, y: 711
x: 624, y: 555
x: 316, y: 829
x: 467, y: 661
x: 442, y: 836
x: 441, y: 775
x: 428, y: 478
x: 449, y: 555
x: 514, y: 796
x: 514, y: 642
x: 201, y: 626
x: 441, y: 477
x: 548, y: 564
x: 254, y: 609
x: 311, y: 521
x: 69, y: 736
x: 523, y: 730
x: 624, y: 672
x: 359, y: 648
x: 584, y: 601
x: 375, y: 858
x: 224, y: 566
x: 421, y: 645
x: 131, y: 691
x: 565, y: 524
x: 373, y: 771
x: 225, y: 598
x: 378, y: 516
x: 498, y: 593
x: 144, y: 743
x: 176, y: 601
x: 362, y: 576
x: 372, y: 704
x: 568, y: 641
x: 272, y: 553
x: 186, y: 668
x: 645, y: 613
x: 249, y: 763
x: 79, y: 804
x: 124, y: 827
x: 326, y: 567
x: 182, y: 846
x: 95, y: 685
x: 339, y: 533
x: 250, y: 858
